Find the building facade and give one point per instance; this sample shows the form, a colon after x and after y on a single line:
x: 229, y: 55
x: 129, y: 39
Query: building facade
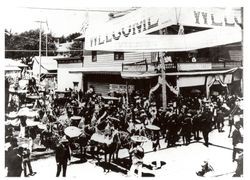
x: 217, y: 67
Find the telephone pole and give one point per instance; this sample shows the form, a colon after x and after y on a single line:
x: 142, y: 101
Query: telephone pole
x: 40, y: 49
x: 164, y: 89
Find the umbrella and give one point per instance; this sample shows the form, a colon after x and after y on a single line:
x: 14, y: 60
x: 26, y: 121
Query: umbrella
x: 42, y: 126
x: 113, y: 118
x: 12, y: 91
x: 153, y: 127
x: 23, y: 111
x: 139, y: 138
x: 12, y: 115
x: 33, y: 97
x: 76, y: 118
x: 31, y: 123
x: 72, y: 131
x: 32, y: 114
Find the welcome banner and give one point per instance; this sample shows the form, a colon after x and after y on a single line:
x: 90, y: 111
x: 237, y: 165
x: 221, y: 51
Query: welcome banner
x: 172, y: 43
x: 147, y: 20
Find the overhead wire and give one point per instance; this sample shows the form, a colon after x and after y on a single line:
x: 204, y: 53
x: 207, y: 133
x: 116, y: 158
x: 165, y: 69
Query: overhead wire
x: 69, y: 9
x: 31, y: 50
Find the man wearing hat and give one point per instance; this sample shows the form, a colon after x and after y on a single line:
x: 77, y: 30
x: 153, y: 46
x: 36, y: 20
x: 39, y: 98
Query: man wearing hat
x: 137, y: 159
x: 239, y: 160
x: 62, y: 156
x: 13, y: 159
x: 237, y: 138
x: 206, y: 121
x: 26, y: 161
x: 220, y: 120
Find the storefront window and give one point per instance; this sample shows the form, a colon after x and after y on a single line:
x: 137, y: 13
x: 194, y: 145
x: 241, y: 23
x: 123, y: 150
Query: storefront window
x: 118, y: 56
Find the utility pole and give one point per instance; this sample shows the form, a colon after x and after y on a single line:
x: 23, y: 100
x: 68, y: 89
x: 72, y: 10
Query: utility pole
x: 46, y: 44
x: 40, y: 49
x: 47, y: 38
x: 164, y: 89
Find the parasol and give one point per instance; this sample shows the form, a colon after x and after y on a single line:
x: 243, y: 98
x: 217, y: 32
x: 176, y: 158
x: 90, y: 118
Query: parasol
x: 42, y: 126
x: 23, y: 111
x: 22, y: 91
x: 138, y: 121
x: 33, y: 97
x: 113, y: 118
x: 153, y: 127
x: 139, y: 138
x: 29, y: 105
x: 72, y: 131
x: 31, y: 122
x: 76, y: 118
x: 98, y: 138
x: 32, y: 114
x: 13, y: 91
x: 110, y: 98
x: 12, y: 115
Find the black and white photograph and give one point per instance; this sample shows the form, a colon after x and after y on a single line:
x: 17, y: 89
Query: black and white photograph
x: 123, y: 91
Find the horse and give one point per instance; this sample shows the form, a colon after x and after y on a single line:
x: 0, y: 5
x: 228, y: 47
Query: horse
x: 124, y: 142
x: 83, y: 139
x: 109, y: 145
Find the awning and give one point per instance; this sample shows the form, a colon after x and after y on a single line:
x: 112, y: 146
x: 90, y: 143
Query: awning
x: 98, y: 70
x: 14, y: 63
x: 12, y: 68
x: 138, y: 75
x: 192, y: 73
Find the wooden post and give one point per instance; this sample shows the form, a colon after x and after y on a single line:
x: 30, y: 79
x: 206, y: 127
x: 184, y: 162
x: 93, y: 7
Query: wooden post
x: 127, y: 99
x: 164, y: 90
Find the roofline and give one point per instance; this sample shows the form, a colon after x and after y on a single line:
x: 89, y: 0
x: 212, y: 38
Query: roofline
x: 68, y: 58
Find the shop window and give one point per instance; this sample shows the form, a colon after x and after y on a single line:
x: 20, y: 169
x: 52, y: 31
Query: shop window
x: 75, y: 85
x: 94, y: 56
x: 118, y: 56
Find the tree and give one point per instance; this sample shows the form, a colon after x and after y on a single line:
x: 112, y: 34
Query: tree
x: 25, y: 45
x: 76, y: 48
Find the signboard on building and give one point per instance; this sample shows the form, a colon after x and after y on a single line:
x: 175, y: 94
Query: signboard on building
x: 121, y: 88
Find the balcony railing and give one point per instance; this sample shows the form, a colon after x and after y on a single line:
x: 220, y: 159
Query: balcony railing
x: 144, y: 66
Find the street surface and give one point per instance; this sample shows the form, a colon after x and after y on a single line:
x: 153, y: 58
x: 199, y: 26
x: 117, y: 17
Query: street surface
x: 179, y: 161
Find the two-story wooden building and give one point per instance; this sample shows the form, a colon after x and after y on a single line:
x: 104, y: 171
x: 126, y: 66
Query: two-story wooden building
x: 218, y: 65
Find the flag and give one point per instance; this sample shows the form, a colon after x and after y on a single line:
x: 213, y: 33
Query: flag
x: 181, y: 30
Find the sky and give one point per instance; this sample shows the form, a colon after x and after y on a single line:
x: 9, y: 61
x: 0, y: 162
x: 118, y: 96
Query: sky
x: 18, y: 18
x: 60, y: 22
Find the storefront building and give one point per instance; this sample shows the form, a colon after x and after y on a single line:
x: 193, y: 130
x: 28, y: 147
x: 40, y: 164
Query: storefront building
x: 202, y: 54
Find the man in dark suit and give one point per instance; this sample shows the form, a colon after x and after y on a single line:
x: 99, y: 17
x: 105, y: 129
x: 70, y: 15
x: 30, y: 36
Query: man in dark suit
x: 206, y: 121
x: 14, y: 161
x: 62, y: 156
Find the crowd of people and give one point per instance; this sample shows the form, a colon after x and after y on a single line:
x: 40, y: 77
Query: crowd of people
x: 184, y: 120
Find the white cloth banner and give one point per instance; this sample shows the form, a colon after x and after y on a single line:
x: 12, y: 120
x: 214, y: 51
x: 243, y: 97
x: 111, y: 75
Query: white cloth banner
x: 172, y: 43
x: 145, y: 20
x: 172, y: 88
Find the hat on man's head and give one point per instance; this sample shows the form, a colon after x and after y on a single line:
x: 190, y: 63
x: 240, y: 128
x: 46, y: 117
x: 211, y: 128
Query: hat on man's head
x: 64, y: 140
x: 189, y: 114
x: 153, y: 103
